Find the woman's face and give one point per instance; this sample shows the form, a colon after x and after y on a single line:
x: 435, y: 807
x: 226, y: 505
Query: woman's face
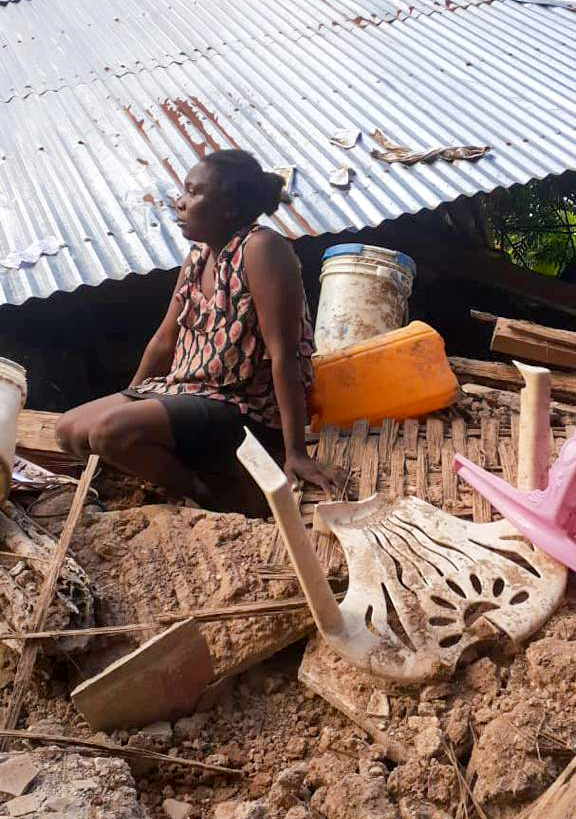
x: 201, y: 209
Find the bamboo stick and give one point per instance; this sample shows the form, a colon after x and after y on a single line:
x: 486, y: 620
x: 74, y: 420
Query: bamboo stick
x: 127, y: 751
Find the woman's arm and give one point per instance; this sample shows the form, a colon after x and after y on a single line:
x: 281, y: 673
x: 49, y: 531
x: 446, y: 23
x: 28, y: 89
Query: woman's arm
x: 159, y: 351
x: 276, y: 286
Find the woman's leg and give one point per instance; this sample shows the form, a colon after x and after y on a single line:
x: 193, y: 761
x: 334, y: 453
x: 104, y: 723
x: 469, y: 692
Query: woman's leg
x: 135, y: 436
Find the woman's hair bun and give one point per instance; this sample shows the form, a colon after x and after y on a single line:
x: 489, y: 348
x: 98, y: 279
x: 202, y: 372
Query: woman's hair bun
x: 253, y: 190
x: 274, y: 192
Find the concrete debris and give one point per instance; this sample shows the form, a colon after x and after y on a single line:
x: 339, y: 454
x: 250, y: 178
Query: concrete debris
x: 16, y: 773
x: 240, y: 810
x: 176, y: 810
x: 187, y: 729
x: 73, y: 786
x: 159, y: 730
x: 23, y: 805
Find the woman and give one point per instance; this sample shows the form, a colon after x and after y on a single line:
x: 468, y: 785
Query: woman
x: 233, y: 349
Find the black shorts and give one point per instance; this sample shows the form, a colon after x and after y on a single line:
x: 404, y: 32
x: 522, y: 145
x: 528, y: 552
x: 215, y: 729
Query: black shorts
x: 208, y: 432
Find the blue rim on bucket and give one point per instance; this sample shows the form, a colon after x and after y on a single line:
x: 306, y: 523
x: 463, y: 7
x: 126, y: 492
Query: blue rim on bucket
x: 356, y: 249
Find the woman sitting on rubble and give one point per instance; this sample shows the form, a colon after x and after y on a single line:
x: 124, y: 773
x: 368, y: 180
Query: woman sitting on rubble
x: 233, y: 350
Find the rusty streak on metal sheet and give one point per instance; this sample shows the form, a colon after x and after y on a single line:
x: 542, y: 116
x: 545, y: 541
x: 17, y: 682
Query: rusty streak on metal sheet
x: 214, y: 120
x: 174, y: 109
x: 364, y: 22
x: 138, y: 123
x: 283, y: 226
x: 154, y: 119
x: 302, y: 221
x: 172, y: 172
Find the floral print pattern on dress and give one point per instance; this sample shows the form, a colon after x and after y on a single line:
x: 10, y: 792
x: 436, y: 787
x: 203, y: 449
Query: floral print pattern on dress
x: 220, y: 352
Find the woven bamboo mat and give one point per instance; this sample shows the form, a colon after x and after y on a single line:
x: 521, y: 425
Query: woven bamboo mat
x: 413, y: 458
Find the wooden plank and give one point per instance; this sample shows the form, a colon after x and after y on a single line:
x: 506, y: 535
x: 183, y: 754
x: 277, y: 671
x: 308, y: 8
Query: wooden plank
x: 489, y: 433
x: 388, y: 435
x: 459, y: 436
x: 508, y: 461
x: 533, y: 342
x: 563, y: 384
x: 411, y: 429
x: 36, y: 430
x: 486, y: 318
x: 360, y: 432
x: 481, y: 509
x: 397, y: 471
x: 434, y: 440
x: 327, y: 451
x: 449, y: 479
x: 28, y: 657
x: 422, y: 472
x: 369, y: 473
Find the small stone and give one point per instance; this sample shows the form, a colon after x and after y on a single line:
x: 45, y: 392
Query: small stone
x: 188, y: 728
x: 260, y: 785
x: 428, y: 736
x: 428, y: 743
x: 16, y: 774
x: 84, y: 784
x: 58, y: 804
x: 378, y: 705
x: 159, y: 730
x: 298, y: 812
x: 369, y: 768
x: 23, y: 805
x: 202, y: 794
x: 240, y: 810
x: 176, y: 810
x: 327, y: 738
x: 273, y: 684
x: 296, y: 748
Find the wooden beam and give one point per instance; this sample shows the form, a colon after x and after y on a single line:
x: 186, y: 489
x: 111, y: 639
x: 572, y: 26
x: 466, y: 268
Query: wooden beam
x: 524, y: 340
x: 559, y: 801
x: 36, y: 430
x: 504, y: 398
x: 493, y: 372
x: 486, y: 318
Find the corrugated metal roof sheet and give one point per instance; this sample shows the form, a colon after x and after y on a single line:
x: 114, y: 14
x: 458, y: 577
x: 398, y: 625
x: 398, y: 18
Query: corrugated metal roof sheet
x: 48, y: 44
x: 93, y: 158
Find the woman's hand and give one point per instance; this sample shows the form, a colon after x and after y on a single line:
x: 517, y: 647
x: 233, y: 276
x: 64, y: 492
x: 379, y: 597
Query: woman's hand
x: 300, y: 467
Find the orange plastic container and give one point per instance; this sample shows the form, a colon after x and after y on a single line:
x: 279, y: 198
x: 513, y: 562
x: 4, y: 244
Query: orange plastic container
x: 400, y: 374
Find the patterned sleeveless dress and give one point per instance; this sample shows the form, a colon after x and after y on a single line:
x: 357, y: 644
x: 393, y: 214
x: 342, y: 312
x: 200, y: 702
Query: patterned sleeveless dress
x: 220, y: 352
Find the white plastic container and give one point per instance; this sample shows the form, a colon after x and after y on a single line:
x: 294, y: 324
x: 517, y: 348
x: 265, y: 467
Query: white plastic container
x: 13, y: 391
x: 364, y: 293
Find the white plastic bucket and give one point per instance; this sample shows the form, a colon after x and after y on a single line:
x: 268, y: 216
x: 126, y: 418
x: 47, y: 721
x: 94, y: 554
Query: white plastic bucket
x: 13, y: 392
x: 364, y: 293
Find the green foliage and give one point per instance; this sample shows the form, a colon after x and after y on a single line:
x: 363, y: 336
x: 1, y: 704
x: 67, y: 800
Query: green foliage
x: 535, y: 224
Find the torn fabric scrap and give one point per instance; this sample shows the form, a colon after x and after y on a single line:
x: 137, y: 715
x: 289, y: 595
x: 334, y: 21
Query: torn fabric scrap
x: 409, y: 156
x: 48, y: 246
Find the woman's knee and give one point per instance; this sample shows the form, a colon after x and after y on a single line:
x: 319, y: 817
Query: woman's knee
x: 110, y: 436
x: 69, y: 434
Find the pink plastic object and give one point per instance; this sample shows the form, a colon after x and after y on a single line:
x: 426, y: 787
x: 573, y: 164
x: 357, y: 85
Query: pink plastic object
x: 547, y: 518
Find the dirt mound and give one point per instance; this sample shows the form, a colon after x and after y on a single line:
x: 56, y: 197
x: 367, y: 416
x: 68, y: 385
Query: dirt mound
x: 167, y: 559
